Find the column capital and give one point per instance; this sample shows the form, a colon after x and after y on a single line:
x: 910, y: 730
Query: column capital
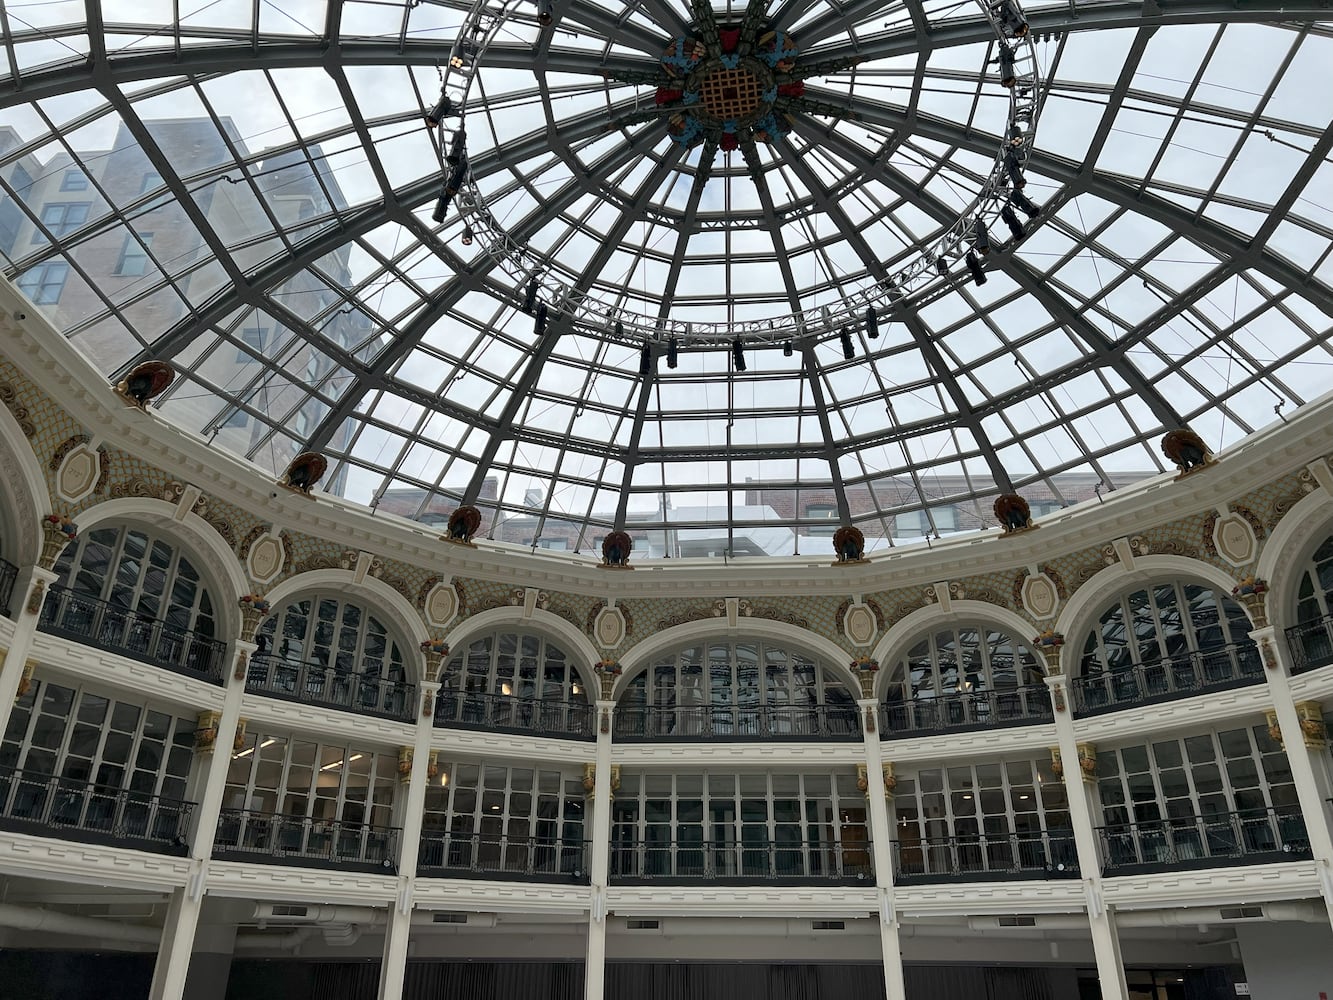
x: 38, y: 580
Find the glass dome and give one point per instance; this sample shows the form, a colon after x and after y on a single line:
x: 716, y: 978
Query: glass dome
x: 250, y: 194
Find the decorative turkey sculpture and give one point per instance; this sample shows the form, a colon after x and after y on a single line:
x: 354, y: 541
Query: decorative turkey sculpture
x: 144, y: 382
x: 1013, y: 513
x: 305, y: 471
x: 1186, y: 449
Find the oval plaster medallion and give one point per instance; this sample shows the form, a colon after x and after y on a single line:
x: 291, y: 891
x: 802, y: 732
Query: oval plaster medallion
x: 858, y: 624
x: 441, y: 605
x: 265, y: 559
x: 1233, y: 537
x: 1040, y: 597
x: 609, y: 627
x: 78, y: 473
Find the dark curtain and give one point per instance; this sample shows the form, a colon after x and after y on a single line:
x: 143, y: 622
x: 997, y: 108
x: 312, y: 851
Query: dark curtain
x: 73, y: 975
x: 424, y: 980
x: 1018, y: 984
x: 750, y: 981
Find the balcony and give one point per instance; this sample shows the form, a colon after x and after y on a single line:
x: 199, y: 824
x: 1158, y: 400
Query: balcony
x: 272, y: 838
x: 505, y: 713
x: 965, y: 710
x: 526, y: 859
x: 1181, y: 842
x: 982, y: 857
x: 50, y: 806
x: 121, y: 630
x: 727, y: 722
x: 366, y: 692
x: 8, y: 575
x: 1167, y: 678
x: 736, y: 863
x: 1310, y: 643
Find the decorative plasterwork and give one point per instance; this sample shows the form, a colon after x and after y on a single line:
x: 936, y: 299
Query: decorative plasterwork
x: 1233, y: 535
x: 10, y: 398
x: 1040, y: 594
x: 1124, y: 550
x: 441, y: 604
x: 860, y: 624
x: 77, y: 467
x: 609, y: 627
x: 266, y: 558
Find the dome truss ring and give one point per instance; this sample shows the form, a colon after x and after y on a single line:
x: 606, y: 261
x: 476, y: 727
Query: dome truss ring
x: 912, y: 280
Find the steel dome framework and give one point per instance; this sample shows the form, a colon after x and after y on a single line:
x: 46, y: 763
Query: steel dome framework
x: 1178, y: 273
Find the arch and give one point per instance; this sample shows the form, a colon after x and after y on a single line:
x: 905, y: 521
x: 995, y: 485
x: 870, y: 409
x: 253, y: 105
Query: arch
x: 898, y: 639
x: 217, y: 564
x: 24, y: 491
x: 571, y: 639
x: 1289, y: 546
x: 1084, y: 608
x: 390, y: 606
x: 830, y: 654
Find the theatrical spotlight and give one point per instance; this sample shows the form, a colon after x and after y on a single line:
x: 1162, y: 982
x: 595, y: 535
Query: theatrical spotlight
x: 646, y: 359
x: 872, y: 323
x: 786, y: 348
x: 545, y: 13
x: 1008, y: 77
x: 1020, y: 201
x: 848, y: 349
x: 672, y: 357
x: 738, y: 354
x: 530, y: 296
x: 980, y: 237
x: 444, y: 107
x: 539, y: 326
x: 974, y: 265
x: 942, y: 266
x: 1014, y: 168
x: 1013, y: 222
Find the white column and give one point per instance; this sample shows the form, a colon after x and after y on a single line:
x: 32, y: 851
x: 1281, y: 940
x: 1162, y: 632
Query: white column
x: 15, y: 658
x: 173, y: 956
x: 881, y: 840
x: 398, y: 928
x: 1082, y: 808
x: 1311, y: 790
x: 599, y: 833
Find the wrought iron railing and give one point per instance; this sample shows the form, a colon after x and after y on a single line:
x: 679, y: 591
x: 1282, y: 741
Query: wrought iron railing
x: 986, y: 856
x: 366, y: 691
x: 1311, y: 644
x: 740, y: 862
x: 966, y: 710
x: 1167, y: 677
x: 472, y: 855
x: 475, y: 710
x: 733, y: 722
x: 8, y: 574
x: 1234, y: 838
x: 249, y: 835
x: 48, y: 805
x: 122, y: 630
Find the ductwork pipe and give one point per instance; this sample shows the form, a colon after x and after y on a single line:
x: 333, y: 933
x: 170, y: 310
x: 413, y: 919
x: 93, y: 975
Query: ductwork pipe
x: 276, y: 942
x: 287, y: 913
x: 55, y: 922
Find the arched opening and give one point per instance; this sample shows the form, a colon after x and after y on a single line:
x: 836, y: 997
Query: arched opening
x: 328, y: 650
x: 1310, y: 638
x: 964, y: 675
x: 1167, y: 640
x: 133, y: 591
x: 740, y: 688
x: 516, y: 681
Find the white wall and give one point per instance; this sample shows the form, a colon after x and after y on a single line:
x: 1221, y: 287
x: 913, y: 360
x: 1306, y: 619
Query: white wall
x: 1287, y: 961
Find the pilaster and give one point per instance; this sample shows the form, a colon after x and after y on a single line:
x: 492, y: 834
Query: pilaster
x: 14, y: 660
x: 599, y: 832
x: 881, y: 840
x: 398, y: 929
x: 1306, y: 774
x: 1082, y: 813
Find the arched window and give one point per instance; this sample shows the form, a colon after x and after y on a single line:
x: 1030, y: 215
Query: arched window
x: 331, y: 651
x: 1312, y: 635
x: 729, y: 688
x: 514, y: 680
x: 961, y: 675
x: 1165, y: 641
x: 130, y: 590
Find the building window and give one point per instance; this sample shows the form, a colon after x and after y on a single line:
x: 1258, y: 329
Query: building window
x: 74, y: 180
x: 44, y: 283
x: 728, y: 825
x: 327, y: 631
x: 91, y: 739
x: 823, y: 511
x: 1008, y: 804
x: 310, y: 785
x: 916, y: 522
x: 237, y: 418
x: 61, y: 217
x: 1314, y: 607
x: 252, y: 337
x: 553, y: 544
x: 723, y: 687
x: 149, y: 181
x: 512, y: 664
x: 488, y: 817
x: 134, y: 255
x: 969, y: 657
x: 1161, y: 624
x: 134, y: 570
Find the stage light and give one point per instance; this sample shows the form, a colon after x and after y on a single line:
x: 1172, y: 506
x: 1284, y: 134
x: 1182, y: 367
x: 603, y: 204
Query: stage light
x: 738, y: 354
x: 1013, y: 222
x: 980, y: 237
x: 444, y: 107
x: 1008, y: 77
x: 646, y: 360
x: 530, y: 296
x: 1020, y: 201
x: 974, y: 265
x: 848, y: 349
x: 671, y: 353
x: 872, y: 323
x: 539, y: 327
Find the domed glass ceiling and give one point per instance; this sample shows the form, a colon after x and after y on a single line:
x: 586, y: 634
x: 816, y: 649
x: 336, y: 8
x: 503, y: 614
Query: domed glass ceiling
x: 247, y: 190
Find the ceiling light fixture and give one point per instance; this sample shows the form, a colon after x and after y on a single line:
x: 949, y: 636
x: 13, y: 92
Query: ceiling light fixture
x: 545, y: 13
x: 981, y: 237
x: 530, y: 296
x: 1014, y: 223
x: 1008, y: 75
x: 974, y: 265
x: 444, y: 107
x: 738, y: 354
x: 1019, y: 200
x: 539, y: 326
x: 872, y: 323
x: 646, y: 360
x: 942, y: 266
x: 672, y: 348
x: 467, y: 236
x: 848, y: 350
x: 786, y: 348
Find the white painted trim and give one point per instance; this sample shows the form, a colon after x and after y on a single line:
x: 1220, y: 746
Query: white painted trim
x: 24, y: 491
